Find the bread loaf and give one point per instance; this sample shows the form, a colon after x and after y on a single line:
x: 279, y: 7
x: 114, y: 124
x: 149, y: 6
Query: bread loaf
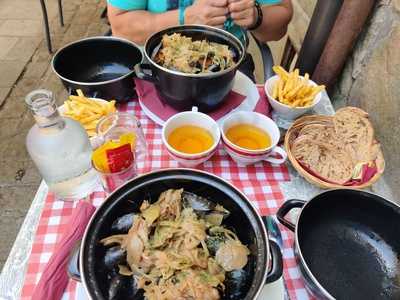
x: 326, y: 160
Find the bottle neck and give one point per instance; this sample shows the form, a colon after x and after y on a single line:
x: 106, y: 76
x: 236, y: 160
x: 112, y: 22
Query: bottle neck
x: 44, y: 109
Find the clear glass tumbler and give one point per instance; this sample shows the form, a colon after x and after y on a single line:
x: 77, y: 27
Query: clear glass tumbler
x: 111, y: 128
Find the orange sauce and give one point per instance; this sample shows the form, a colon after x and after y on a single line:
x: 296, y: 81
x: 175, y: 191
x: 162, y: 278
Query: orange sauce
x: 190, y: 139
x: 249, y: 137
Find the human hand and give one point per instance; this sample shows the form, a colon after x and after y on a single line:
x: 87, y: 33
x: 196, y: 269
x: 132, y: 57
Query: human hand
x: 207, y: 12
x: 243, y: 12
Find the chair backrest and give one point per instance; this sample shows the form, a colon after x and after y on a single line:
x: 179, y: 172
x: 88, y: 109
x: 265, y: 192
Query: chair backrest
x: 322, y: 20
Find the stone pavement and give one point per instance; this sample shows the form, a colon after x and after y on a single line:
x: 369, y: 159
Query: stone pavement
x: 25, y: 66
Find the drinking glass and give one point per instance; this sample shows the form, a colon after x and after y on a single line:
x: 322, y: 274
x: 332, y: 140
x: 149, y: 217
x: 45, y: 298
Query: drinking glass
x: 110, y: 128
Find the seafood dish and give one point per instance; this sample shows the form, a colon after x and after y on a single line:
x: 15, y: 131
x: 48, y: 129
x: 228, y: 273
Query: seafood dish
x: 174, y: 248
x: 180, y: 53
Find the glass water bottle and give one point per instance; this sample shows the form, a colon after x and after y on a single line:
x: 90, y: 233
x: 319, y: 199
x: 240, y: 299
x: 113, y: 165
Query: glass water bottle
x: 60, y: 149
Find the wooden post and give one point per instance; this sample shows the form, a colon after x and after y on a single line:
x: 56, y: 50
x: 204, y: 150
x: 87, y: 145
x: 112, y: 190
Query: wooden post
x: 347, y: 27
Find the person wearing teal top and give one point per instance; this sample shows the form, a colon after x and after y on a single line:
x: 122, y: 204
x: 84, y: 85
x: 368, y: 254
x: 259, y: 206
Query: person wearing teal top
x: 136, y: 20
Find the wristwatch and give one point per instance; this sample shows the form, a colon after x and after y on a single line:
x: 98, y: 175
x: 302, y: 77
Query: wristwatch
x: 259, y: 18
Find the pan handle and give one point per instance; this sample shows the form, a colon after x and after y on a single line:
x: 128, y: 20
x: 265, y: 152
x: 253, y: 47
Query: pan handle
x: 284, y: 210
x: 277, y: 263
x: 73, y: 264
x: 144, y: 71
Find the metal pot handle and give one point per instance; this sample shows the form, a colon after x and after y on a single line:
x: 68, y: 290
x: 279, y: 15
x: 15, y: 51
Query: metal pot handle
x: 141, y: 74
x: 284, y: 210
x: 277, y: 263
x: 73, y: 264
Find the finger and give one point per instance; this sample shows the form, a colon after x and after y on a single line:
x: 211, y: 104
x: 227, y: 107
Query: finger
x: 244, y: 22
x: 241, y: 14
x: 217, y: 21
x: 217, y: 12
x: 241, y: 5
x: 218, y: 3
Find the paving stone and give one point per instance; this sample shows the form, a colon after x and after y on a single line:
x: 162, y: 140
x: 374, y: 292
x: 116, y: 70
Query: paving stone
x: 52, y: 83
x: 26, y: 121
x: 9, y: 128
x: 10, y: 223
x: 15, y: 202
x: 6, y: 44
x: 4, y: 92
x: 24, y: 86
x: 10, y: 71
x: 14, y: 147
x: 36, y: 69
x: 23, y: 49
x: 18, y: 176
x: 18, y: 172
x: 22, y: 9
x: 85, y: 14
x: 13, y: 108
x: 21, y: 28
x: 18, y: 196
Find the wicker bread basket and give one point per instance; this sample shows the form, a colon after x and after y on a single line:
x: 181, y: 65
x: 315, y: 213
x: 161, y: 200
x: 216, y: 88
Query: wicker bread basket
x: 292, y: 134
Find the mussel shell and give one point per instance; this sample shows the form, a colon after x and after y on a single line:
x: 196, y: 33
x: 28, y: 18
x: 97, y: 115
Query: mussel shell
x: 123, y: 223
x: 235, y: 284
x: 196, y: 202
x: 214, y: 68
x: 123, y: 287
x: 114, y: 256
x: 213, y: 242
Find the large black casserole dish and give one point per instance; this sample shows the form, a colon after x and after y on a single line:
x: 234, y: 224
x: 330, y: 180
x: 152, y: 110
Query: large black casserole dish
x: 205, y: 90
x: 101, y: 67
x: 265, y: 262
x: 347, y: 245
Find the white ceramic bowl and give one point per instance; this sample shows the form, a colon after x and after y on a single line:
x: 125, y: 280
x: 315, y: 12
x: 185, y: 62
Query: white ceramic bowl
x: 283, y: 110
x: 194, y: 118
x: 245, y: 156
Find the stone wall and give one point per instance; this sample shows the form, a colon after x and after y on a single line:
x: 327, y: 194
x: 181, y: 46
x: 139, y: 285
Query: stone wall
x: 371, y: 76
x: 371, y: 81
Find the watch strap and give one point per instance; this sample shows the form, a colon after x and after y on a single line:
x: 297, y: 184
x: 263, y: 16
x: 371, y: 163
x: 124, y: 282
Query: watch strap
x: 259, y: 18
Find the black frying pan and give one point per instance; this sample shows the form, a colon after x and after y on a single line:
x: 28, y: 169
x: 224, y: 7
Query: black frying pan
x: 265, y: 261
x: 102, y: 67
x: 348, y: 245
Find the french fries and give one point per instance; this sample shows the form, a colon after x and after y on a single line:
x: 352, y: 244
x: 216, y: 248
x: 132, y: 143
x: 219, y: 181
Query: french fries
x: 86, y: 111
x: 293, y: 90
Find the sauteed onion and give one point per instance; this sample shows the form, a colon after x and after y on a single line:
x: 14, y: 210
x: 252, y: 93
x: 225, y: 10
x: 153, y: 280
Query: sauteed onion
x: 179, y: 249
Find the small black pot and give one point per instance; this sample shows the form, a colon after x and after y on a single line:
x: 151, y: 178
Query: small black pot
x: 265, y: 260
x: 347, y: 244
x: 102, y: 67
x: 183, y: 91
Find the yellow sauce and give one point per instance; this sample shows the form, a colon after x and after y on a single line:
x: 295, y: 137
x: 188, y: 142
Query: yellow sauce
x: 249, y: 137
x: 190, y: 139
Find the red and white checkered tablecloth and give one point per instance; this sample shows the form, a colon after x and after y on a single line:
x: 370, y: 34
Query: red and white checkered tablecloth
x: 259, y: 182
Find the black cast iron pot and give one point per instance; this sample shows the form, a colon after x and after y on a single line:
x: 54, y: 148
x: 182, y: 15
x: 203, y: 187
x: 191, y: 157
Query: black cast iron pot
x: 265, y: 260
x: 207, y: 91
x: 102, y: 67
x: 347, y: 245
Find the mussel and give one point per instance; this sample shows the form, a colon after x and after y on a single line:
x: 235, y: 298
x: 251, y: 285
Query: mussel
x: 123, y: 287
x: 235, y: 283
x: 198, y: 203
x: 213, y: 213
x: 123, y: 223
x: 114, y: 256
x: 214, y: 68
x: 214, y: 241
